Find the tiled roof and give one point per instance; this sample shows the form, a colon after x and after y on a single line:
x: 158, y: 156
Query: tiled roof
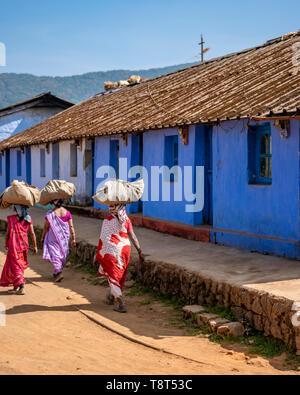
x: 261, y: 81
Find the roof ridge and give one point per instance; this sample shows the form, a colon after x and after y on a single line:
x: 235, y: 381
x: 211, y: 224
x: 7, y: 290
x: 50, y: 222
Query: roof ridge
x: 227, y: 56
x: 32, y: 99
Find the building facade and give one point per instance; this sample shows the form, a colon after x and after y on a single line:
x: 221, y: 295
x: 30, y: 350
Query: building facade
x: 247, y: 187
x: 216, y: 144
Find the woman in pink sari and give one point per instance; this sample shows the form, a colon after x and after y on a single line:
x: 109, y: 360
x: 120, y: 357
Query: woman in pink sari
x: 114, y: 253
x: 56, y: 236
x: 16, y: 243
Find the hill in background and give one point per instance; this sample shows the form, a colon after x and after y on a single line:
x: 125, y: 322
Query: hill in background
x: 18, y: 87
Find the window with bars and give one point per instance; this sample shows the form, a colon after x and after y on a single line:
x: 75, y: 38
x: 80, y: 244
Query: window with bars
x: 260, y: 154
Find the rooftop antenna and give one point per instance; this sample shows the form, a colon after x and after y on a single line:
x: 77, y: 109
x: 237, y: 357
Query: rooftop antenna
x: 203, y: 50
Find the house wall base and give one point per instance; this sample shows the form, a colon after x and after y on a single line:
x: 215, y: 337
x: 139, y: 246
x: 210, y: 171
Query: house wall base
x: 256, y: 243
x: 167, y: 227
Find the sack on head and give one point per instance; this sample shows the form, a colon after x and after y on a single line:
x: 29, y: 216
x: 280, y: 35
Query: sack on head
x: 55, y: 190
x: 20, y: 193
x: 120, y: 192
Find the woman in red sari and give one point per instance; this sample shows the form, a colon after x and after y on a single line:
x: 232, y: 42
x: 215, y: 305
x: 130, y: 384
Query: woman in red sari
x: 16, y: 242
x: 114, y: 253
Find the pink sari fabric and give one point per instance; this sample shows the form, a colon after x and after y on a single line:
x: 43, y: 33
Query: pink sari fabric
x: 56, y: 245
x: 16, y: 259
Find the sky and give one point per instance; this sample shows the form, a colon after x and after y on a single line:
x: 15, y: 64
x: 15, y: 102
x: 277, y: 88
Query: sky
x: 68, y: 37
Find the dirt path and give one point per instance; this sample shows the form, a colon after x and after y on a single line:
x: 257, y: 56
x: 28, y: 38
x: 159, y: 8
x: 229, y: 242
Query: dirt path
x: 46, y: 334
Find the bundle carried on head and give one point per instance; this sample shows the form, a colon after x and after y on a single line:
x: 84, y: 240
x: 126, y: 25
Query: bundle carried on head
x: 57, y: 190
x: 20, y: 193
x: 120, y: 192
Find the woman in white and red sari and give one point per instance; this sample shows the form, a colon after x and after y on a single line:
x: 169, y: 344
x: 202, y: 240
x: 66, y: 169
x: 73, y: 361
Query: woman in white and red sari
x: 114, y: 253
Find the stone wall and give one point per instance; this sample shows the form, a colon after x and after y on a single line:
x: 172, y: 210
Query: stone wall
x: 265, y: 312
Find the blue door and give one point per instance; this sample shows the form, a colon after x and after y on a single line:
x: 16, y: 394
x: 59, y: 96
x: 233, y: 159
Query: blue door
x: 7, y: 168
x: 115, y: 156
x: 28, y: 165
x: 55, y: 161
x: 208, y: 208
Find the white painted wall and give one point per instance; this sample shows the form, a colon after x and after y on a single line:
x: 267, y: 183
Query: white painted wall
x: 36, y: 178
x: 65, y: 169
x: 83, y: 181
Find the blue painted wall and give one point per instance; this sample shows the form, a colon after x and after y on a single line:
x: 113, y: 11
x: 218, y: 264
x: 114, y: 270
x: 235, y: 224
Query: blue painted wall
x: 262, y: 218
x: 3, y: 173
x: 192, y: 154
x: 103, y: 157
x: 13, y: 166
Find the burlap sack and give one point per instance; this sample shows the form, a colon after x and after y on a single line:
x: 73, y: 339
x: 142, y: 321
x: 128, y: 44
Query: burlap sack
x: 120, y: 192
x: 110, y: 86
x: 20, y: 193
x: 56, y: 189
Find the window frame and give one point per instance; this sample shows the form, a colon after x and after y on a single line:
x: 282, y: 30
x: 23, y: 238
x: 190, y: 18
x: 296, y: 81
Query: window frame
x: 254, y: 154
x: 268, y: 155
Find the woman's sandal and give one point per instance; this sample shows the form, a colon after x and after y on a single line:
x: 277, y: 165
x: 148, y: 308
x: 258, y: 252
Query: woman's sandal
x: 121, y: 308
x: 21, y: 291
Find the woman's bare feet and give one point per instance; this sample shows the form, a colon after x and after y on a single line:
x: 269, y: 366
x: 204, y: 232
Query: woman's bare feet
x: 59, y: 278
x: 109, y: 300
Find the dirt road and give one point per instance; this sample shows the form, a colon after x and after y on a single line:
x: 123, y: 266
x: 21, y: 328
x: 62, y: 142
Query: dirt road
x: 46, y: 334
